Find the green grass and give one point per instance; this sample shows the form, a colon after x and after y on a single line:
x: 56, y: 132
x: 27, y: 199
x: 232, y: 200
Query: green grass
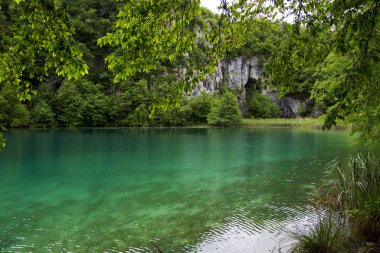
x: 355, y: 190
x: 311, y: 123
x: 325, y: 236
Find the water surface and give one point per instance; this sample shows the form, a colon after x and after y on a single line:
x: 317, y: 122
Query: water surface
x: 186, y: 190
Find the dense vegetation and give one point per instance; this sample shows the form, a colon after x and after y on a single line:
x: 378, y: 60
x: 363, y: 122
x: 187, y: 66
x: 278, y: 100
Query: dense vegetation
x: 43, y: 45
x: 119, y: 98
x: 104, y: 63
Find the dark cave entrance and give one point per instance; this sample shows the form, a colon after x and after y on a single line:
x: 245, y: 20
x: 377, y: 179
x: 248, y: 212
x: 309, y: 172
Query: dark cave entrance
x: 250, y: 87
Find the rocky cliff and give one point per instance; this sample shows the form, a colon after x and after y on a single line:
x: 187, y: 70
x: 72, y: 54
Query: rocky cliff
x: 241, y: 75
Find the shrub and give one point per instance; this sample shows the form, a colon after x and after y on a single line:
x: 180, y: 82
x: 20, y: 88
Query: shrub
x: 225, y: 111
x: 138, y: 117
x: 42, y: 115
x: 303, y: 111
x: 260, y: 106
x: 198, y: 108
x: 175, y: 116
x: 81, y: 103
x: 12, y: 112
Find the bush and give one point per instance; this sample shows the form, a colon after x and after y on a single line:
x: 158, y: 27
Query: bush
x: 42, y: 115
x: 198, y: 108
x: 81, y: 103
x: 12, y: 112
x: 137, y: 118
x: 225, y: 111
x: 175, y: 116
x: 260, y: 106
x: 134, y: 104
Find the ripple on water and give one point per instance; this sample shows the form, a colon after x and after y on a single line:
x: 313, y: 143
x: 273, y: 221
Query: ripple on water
x: 208, y: 190
x: 241, y: 234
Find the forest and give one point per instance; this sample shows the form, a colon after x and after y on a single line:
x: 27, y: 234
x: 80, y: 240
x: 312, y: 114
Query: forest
x: 95, y: 100
x: 116, y: 89
x: 92, y: 63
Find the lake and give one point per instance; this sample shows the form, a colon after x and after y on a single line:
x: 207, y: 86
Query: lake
x: 181, y: 189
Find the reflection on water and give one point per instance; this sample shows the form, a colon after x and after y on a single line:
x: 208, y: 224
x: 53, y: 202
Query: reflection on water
x: 187, y: 190
x: 241, y: 234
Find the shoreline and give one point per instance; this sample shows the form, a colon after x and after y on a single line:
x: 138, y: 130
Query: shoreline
x: 296, y: 123
x: 290, y: 123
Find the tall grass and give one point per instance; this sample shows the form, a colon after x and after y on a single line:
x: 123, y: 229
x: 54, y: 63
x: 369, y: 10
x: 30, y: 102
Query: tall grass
x: 325, y: 236
x: 306, y: 123
x: 355, y: 190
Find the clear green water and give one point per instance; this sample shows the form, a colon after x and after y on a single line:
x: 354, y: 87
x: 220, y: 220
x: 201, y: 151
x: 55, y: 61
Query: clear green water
x: 187, y: 190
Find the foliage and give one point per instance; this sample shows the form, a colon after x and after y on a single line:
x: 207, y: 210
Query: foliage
x: 325, y: 236
x: 93, y: 19
x: 201, y: 38
x: 261, y: 106
x: 337, y: 44
x: 2, y: 141
x: 138, y: 117
x: 174, y: 116
x: 225, y: 111
x: 13, y: 113
x: 331, y: 52
x: 149, y: 33
x: 262, y: 37
x: 38, y: 38
x: 198, y: 108
x: 42, y: 115
x: 355, y: 189
x: 136, y: 100
x: 146, y: 33
x: 81, y: 103
x: 35, y: 39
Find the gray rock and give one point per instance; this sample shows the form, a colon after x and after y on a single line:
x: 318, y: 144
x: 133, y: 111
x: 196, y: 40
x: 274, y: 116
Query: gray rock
x: 241, y: 76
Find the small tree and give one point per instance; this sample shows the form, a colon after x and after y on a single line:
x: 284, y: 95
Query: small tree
x: 198, y: 108
x: 42, y: 115
x: 260, y: 106
x: 81, y: 103
x: 225, y: 112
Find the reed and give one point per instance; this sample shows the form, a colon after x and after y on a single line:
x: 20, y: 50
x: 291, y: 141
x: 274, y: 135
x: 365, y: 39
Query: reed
x: 356, y: 192
x: 325, y: 236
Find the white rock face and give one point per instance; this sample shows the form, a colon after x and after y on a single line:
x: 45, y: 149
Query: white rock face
x: 239, y: 75
x: 290, y: 107
x: 234, y: 73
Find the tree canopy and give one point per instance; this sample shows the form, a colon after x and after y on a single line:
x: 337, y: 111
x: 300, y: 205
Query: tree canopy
x: 337, y: 44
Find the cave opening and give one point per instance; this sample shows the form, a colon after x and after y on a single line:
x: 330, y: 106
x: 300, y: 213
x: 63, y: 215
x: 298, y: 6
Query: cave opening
x: 250, y: 87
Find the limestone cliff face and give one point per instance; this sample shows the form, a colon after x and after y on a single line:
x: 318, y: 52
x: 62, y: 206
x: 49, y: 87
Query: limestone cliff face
x: 290, y: 107
x: 240, y: 75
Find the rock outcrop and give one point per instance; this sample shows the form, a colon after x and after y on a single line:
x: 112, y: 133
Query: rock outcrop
x: 241, y: 75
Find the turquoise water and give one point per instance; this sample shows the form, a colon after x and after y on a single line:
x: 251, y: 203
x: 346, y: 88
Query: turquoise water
x: 185, y: 190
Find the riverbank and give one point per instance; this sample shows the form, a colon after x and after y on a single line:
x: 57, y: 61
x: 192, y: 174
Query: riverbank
x: 307, y: 123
